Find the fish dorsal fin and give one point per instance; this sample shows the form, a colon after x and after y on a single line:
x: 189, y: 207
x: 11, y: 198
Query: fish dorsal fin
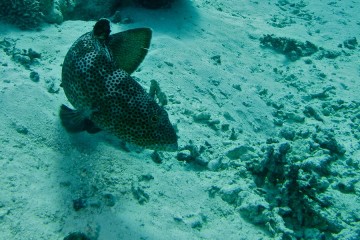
x: 130, y: 47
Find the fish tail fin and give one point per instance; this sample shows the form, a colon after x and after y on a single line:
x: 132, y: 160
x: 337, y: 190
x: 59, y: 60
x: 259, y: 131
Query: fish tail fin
x: 74, y: 121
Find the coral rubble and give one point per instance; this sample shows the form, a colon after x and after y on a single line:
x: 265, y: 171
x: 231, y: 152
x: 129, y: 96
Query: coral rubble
x: 289, y: 47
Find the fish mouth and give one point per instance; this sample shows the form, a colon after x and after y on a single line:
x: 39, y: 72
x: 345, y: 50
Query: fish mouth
x: 172, y: 147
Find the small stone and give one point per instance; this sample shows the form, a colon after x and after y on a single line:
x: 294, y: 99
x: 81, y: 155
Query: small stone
x: 225, y: 127
x: 3, y: 213
x: 347, y: 185
x: 201, y: 161
x: 196, y: 224
x: 177, y: 218
x: 213, y: 190
x: 331, y: 54
x: 202, y: 117
x: 288, y: 134
x: 228, y: 117
x: 146, y: 177
x: 308, y: 61
x: 155, y: 156
x: 213, y: 124
x: 351, y: 43
x: 311, y: 112
x: 155, y: 91
x: 140, y: 195
x: 21, y: 129
x: 214, y: 164
x: 237, y: 152
x: 33, y: 54
x: 294, y: 117
x: 23, y: 60
x: 254, y: 208
x: 34, y: 76
x: 95, y: 204
x: 109, y: 199
x: 216, y: 59
x: 51, y: 86
x: 327, y: 141
x: 230, y: 193
x: 77, y: 236
x: 79, y: 203
x: 237, y: 87
x: 319, y: 164
x: 184, y: 156
x: 278, y: 122
x: 169, y: 64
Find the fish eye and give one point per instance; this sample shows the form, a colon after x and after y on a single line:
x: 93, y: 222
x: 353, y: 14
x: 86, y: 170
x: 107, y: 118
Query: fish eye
x: 154, y: 118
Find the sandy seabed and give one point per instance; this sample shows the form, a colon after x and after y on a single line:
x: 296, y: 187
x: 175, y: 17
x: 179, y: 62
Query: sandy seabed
x: 270, y: 136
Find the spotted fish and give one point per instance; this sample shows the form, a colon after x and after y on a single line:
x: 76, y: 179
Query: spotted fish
x: 96, y: 80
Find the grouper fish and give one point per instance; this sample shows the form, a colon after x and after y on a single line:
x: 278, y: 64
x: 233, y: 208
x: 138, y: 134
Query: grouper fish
x: 96, y: 80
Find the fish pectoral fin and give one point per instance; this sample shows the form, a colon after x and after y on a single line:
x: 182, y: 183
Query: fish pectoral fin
x: 74, y: 121
x: 130, y: 47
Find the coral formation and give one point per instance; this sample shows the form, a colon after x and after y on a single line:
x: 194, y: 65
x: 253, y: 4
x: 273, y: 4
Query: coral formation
x: 89, y: 10
x: 29, y: 14
x: 191, y: 153
x: 22, y: 56
x: 289, y: 47
x: 25, y: 14
x: 138, y: 186
x: 53, y: 10
x: 297, y: 191
x: 155, y: 91
x: 93, y: 10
